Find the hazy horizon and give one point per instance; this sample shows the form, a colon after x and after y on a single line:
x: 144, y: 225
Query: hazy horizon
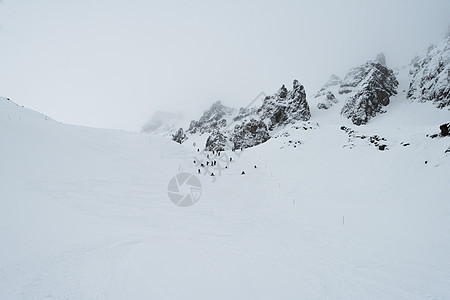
x: 112, y: 64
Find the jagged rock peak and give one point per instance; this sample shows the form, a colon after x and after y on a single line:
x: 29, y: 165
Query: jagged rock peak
x: 431, y: 76
x: 212, y: 119
x: 179, y: 136
x: 285, y: 107
x: 282, y: 92
x: 376, y: 83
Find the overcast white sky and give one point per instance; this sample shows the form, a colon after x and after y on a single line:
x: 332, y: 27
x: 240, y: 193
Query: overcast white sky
x: 108, y: 63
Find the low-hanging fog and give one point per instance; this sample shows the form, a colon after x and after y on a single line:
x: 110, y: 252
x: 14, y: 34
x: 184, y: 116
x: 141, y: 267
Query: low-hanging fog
x: 111, y: 64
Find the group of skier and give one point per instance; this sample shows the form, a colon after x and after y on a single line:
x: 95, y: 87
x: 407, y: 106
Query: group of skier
x: 214, y: 163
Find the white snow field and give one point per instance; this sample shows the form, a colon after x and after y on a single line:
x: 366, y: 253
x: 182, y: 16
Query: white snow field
x: 84, y: 213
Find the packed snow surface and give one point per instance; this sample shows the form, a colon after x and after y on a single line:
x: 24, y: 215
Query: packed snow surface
x: 84, y: 213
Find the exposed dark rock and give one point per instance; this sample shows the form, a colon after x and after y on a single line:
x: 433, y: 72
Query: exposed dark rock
x: 179, y: 136
x: 285, y: 107
x: 373, y: 93
x: 374, y: 140
x: 216, y: 142
x: 250, y: 134
x: 445, y: 128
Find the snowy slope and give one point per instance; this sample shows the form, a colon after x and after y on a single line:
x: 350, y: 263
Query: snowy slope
x: 84, y: 213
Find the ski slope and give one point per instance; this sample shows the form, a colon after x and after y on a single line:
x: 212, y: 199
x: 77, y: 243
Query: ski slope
x: 84, y: 213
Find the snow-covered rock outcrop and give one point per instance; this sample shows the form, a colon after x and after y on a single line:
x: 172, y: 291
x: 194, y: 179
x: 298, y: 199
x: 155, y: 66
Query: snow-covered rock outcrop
x: 373, y: 84
x: 325, y: 96
x: 217, y: 141
x: 431, y: 76
x: 213, y: 119
x: 250, y: 134
x: 285, y: 107
x: 179, y: 136
x: 227, y: 128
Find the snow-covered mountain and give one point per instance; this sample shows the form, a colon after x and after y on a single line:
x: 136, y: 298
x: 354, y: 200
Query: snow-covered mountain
x: 215, y: 118
x: 304, y: 202
x: 431, y: 76
x: 376, y: 84
x: 363, y: 94
x: 12, y: 111
x: 364, y: 91
x: 229, y: 128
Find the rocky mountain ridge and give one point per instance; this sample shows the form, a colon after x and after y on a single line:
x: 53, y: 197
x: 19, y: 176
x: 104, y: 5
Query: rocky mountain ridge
x: 362, y: 94
x: 431, y: 76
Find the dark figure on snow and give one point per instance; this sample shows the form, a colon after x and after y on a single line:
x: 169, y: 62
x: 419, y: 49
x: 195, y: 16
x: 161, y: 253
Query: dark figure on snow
x: 255, y: 166
x: 243, y: 173
x: 212, y: 174
x: 231, y: 158
x: 198, y: 171
x: 207, y: 163
x: 202, y: 165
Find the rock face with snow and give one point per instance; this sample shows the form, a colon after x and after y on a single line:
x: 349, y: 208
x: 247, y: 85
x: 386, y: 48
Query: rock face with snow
x: 431, y: 76
x: 250, y: 126
x: 179, y: 136
x: 285, y: 107
x: 212, y: 120
x: 328, y: 100
x: 353, y: 78
x: 373, y: 84
x: 216, y: 142
x: 325, y: 97
x: 250, y: 134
